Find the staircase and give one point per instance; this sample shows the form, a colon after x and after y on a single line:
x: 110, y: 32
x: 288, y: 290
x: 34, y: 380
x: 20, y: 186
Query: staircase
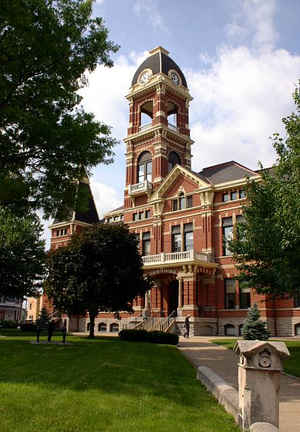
x: 164, y: 324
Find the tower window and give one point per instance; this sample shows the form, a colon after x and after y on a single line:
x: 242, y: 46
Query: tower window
x: 173, y: 160
x: 145, y: 167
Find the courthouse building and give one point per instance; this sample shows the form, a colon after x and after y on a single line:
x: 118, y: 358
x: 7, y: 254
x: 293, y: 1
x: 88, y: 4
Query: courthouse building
x: 182, y: 219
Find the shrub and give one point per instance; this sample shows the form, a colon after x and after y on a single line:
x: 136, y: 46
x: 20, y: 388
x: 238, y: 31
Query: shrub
x: 8, y: 324
x: 152, y: 336
x: 28, y: 327
x: 254, y: 328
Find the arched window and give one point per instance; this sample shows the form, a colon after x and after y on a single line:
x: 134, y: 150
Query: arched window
x: 146, y: 115
x: 229, y: 330
x: 114, y: 327
x: 102, y: 327
x: 173, y: 160
x: 144, y: 167
x: 297, y: 329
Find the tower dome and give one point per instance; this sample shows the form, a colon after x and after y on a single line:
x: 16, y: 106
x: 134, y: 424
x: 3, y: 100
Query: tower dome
x: 159, y: 62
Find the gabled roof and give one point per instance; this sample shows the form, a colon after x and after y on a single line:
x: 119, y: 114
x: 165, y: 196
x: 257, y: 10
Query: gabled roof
x: 173, y: 174
x: 225, y: 172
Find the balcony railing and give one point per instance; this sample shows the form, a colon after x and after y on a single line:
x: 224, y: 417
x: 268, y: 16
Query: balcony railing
x: 173, y: 127
x: 139, y: 188
x: 175, y: 257
x: 145, y: 126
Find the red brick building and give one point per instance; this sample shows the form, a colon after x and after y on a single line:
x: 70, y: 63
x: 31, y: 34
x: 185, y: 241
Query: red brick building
x: 182, y: 219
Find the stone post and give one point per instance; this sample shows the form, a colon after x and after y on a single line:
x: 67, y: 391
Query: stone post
x: 259, y: 371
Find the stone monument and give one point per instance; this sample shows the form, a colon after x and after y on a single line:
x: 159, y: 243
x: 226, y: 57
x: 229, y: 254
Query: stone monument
x: 259, y: 371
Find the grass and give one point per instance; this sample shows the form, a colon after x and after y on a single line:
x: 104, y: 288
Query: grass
x: 291, y: 365
x: 102, y: 385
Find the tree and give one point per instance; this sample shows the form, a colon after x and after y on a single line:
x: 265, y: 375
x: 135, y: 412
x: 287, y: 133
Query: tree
x: 22, y: 256
x: 46, y: 47
x: 100, y: 270
x: 254, y: 328
x: 267, y: 247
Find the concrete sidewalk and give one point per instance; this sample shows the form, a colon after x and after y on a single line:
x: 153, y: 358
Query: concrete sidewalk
x: 200, y: 351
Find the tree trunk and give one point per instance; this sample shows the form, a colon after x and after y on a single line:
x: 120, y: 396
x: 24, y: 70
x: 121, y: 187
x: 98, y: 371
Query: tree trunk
x: 92, y: 325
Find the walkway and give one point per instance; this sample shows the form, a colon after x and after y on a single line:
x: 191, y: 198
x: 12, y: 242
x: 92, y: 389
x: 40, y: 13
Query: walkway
x: 201, y: 352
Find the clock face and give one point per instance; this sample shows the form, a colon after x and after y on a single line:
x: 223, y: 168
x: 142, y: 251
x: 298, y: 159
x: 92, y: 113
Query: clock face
x: 145, y: 77
x: 174, y: 78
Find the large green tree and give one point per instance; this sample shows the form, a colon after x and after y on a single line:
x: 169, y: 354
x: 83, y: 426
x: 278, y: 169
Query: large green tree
x: 46, y: 48
x: 267, y: 247
x: 100, y: 269
x: 22, y: 256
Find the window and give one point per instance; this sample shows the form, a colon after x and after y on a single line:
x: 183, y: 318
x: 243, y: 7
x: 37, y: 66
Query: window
x: 182, y: 202
x: 229, y: 330
x: 226, y: 196
x: 137, y: 237
x: 102, y: 327
x: 135, y: 216
x: 227, y: 230
x: 297, y: 300
x: 297, y: 329
x: 242, y: 194
x: 176, y: 238
x: 141, y: 215
x: 61, y: 232
x: 241, y: 329
x: 245, y: 299
x: 188, y: 237
x: 189, y: 201
x: 114, y: 327
x: 146, y: 243
x: 234, y: 195
x: 230, y: 297
x: 145, y: 167
x: 147, y: 214
x: 173, y: 160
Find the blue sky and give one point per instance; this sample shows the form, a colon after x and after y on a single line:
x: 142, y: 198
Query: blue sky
x: 241, y: 59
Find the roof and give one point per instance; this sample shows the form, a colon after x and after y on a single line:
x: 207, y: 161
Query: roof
x: 85, y: 209
x: 225, y: 172
x: 250, y: 347
x: 159, y: 61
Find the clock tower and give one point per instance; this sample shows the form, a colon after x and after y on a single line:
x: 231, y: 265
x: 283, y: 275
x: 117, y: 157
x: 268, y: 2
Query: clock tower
x: 158, y: 133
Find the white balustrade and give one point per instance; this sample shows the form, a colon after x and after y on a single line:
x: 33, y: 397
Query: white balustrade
x: 172, y: 257
x: 137, y: 188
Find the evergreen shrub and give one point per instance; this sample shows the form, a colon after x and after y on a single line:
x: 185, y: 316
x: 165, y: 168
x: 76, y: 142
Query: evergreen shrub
x: 151, y: 336
x: 254, y: 328
x: 8, y: 324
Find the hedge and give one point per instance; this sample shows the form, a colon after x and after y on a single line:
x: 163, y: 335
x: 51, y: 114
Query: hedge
x: 8, y: 324
x: 28, y: 327
x: 151, y: 336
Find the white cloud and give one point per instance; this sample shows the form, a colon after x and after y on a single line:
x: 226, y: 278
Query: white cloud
x: 149, y: 9
x: 106, y: 197
x: 238, y: 104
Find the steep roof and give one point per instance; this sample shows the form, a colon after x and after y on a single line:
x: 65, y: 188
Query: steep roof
x: 85, y: 212
x: 158, y: 62
x: 225, y: 172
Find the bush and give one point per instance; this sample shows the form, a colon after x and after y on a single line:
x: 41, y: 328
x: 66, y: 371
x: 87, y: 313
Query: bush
x: 152, y: 336
x: 28, y: 327
x: 8, y: 324
x: 254, y: 328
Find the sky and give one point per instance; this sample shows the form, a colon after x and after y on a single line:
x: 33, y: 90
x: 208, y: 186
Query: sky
x: 241, y: 60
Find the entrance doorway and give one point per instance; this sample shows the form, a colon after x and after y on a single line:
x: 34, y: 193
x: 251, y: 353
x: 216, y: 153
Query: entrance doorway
x: 173, y: 297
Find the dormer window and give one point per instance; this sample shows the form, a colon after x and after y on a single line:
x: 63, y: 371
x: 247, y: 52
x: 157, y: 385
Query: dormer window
x: 144, y: 169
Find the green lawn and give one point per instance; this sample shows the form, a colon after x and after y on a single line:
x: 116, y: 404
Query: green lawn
x: 102, y: 385
x: 291, y: 365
